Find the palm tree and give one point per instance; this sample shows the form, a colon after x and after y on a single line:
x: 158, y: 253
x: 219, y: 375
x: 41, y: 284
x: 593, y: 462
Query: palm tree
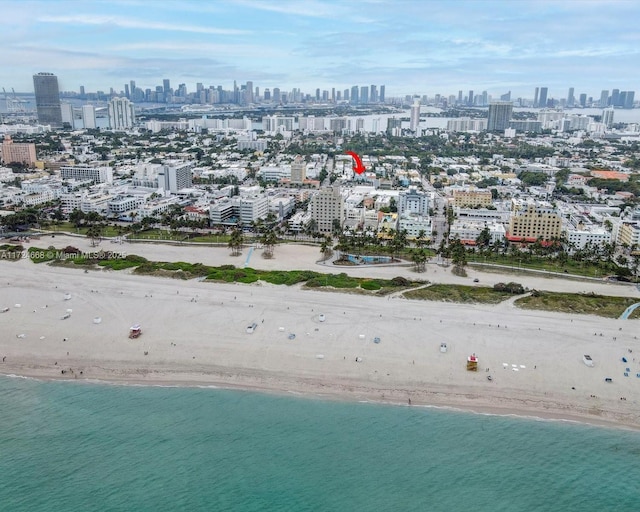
x: 94, y: 233
x: 268, y: 239
x: 419, y: 258
x: 235, y: 241
x: 325, y: 247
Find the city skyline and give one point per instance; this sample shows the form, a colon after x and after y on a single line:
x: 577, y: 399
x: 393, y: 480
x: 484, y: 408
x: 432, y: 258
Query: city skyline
x: 412, y: 47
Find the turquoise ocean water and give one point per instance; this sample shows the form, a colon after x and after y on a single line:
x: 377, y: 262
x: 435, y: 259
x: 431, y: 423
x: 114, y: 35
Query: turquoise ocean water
x: 67, y: 446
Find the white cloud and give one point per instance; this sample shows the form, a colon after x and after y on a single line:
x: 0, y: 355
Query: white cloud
x: 86, y: 19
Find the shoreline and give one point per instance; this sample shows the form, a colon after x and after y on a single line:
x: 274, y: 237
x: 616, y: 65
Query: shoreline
x: 472, y: 404
x: 194, y: 334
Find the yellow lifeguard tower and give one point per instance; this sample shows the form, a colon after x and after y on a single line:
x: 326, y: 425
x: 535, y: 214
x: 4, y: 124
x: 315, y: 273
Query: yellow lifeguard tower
x: 472, y: 363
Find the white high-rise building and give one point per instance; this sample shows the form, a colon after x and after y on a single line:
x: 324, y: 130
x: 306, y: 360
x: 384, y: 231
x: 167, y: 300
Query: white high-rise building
x: 121, y: 114
x: 414, y: 123
x: 176, y: 175
x: 89, y: 116
x: 607, y: 117
x: 67, y: 113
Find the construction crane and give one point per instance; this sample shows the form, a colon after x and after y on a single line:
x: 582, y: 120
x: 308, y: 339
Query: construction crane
x: 14, y: 104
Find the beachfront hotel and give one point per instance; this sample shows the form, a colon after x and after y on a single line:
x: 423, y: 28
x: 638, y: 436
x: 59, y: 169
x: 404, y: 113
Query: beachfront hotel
x: 533, y: 223
x: 327, y: 206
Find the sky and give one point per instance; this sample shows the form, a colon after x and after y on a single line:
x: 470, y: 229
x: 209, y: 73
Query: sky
x: 411, y: 46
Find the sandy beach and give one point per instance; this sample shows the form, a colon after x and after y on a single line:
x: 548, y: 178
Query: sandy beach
x: 194, y: 333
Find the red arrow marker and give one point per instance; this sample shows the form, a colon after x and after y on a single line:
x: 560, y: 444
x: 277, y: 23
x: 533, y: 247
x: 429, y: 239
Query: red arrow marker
x: 358, y: 168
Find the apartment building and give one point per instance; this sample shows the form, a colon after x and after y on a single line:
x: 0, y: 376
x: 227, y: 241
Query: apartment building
x: 472, y: 197
x: 629, y: 234
x: 24, y: 153
x: 86, y: 173
x: 327, y: 206
x: 239, y: 210
x: 534, y: 222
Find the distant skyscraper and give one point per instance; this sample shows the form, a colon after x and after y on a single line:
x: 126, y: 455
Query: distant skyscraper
x: 364, y: 94
x: 543, y: 97
x: 126, y: 91
x: 47, y: 99
x: 570, y: 98
x: 607, y: 117
x: 166, y: 89
x: 583, y: 100
x: 382, y: 94
x: 499, y: 115
x: 374, y: 94
x: 536, y: 97
x: 604, y: 98
x: 628, y: 103
x: 249, y: 93
x: 276, y: 95
x: 89, y: 116
x: 121, y: 114
x: 460, y: 97
x: 414, y: 122
x: 503, y: 97
x: 82, y: 93
x: 470, y: 98
x: 354, y: 95
x: 615, y: 98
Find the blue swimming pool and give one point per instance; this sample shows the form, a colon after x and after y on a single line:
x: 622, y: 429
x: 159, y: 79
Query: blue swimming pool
x: 368, y: 260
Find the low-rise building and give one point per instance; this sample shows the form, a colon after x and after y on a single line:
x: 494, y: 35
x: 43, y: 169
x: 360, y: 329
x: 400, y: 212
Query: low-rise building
x: 415, y: 226
x: 87, y: 173
x: 579, y: 236
x: 468, y: 231
x: 472, y: 197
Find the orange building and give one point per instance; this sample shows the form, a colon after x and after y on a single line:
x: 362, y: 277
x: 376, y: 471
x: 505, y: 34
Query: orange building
x: 18, y: 152
x: 610, y: 175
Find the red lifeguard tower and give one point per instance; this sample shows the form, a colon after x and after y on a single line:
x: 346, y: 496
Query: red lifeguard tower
x: 472, y: 363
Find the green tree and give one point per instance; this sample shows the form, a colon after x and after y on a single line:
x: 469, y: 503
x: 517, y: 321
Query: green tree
x: 268, y: 239
x: 458, y: 254
x: 236, y: 240
x: 419, y: 258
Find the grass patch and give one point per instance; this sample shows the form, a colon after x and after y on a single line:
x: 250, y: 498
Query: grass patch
x: 459, y: 293
x: 39, y: 255
x: 580, y: 303
x: 225, y: 273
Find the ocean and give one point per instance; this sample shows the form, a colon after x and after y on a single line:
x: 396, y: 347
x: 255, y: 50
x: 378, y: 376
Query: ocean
x: 71, y: 446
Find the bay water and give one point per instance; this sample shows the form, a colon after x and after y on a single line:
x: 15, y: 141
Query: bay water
x: 71, y: 446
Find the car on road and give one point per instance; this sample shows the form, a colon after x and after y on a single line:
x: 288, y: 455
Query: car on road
x: 476, y: 280
x: 251, y: 328
x: 322, y: 318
